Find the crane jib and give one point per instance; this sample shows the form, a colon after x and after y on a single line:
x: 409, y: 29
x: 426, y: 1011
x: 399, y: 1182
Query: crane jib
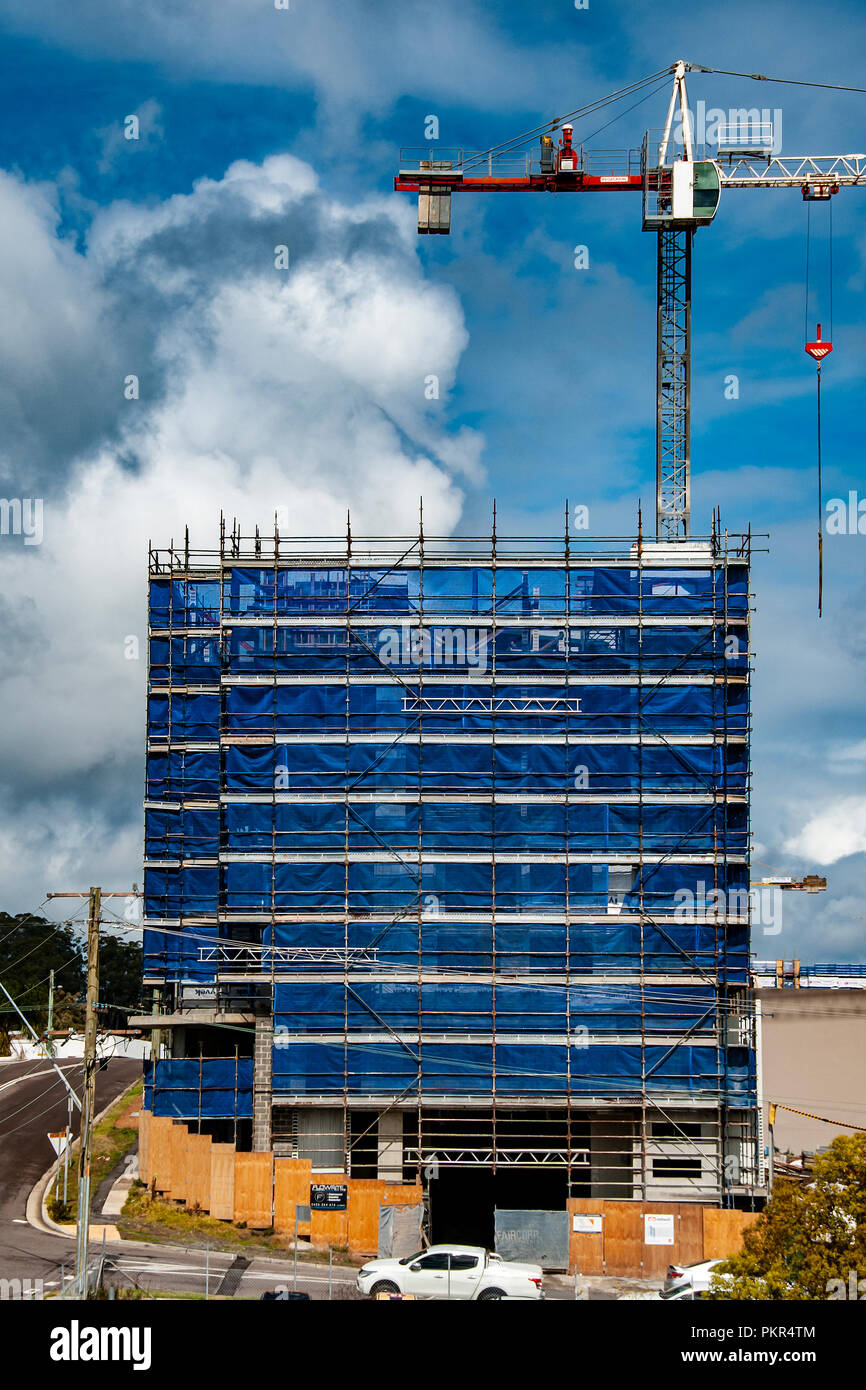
x: 681, y: 193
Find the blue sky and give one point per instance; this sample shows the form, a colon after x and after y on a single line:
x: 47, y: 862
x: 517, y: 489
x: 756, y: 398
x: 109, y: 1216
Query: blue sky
x: 143, y: 256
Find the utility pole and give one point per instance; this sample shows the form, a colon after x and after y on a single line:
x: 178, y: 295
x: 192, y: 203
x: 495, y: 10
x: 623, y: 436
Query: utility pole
x: 88, y: 1109
x: 84, y: 1160
x: 49, y: 1044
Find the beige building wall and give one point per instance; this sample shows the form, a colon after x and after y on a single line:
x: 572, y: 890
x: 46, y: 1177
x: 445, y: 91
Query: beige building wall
x: 813, y: 1051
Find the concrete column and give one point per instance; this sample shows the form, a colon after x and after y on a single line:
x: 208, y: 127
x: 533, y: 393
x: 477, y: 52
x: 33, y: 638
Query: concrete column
x: 262, y: 1067
x: 391, y: 1146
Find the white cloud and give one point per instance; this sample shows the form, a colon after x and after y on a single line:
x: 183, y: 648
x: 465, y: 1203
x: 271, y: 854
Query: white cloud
x: 302, y: 390
x: 140, y: 129
x: 358, y: 58
x: 832, y: 833
x: 848, y: 757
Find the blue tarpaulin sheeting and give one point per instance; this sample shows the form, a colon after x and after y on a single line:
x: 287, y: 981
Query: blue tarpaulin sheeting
x: 475, y: 708
x: 199, y: 1088
x: 213, y: 682
x: 401, y: 826
x: 521, y: 1069
x: 484, y: 767
x: 259, y: 591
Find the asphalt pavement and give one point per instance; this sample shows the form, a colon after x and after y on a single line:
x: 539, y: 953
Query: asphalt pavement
x: 32, y: 1102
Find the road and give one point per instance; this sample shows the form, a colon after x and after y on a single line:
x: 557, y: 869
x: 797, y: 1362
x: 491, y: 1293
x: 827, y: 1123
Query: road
x: 32, y: 1102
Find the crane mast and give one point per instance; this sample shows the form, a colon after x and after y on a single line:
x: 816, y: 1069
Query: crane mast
x: 681, y: 193
x: 673, y: 382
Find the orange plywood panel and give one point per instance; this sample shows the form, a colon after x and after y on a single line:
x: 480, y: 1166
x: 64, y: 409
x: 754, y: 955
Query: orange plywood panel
x: 723, y: 1231
x: 177, y: 1187
x: 330, y: 1227
x: 160, y: 1152
x: 291, y: 1188
x: 222, y: 1181
x: 690, y: 1233
x: 623, y: 1238
x: 402, y: 1194
x: 365, y: 1196
x: 656, y: 1258
x: 198, y: 1148
x: 585, y: 1250
x: 144, y: 1146
x: 254, y: 1189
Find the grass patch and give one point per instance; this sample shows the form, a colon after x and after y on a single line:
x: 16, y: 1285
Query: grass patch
x: 111, y: 1143
x: 148, y: 1217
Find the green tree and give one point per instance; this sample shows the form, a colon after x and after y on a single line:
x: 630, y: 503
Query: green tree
x: 119, y: 976
x: 30, y: 948
x: 811, y: 1237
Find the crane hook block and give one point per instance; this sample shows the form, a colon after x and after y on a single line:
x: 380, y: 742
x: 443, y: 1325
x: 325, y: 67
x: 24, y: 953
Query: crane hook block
x: 820, y: 348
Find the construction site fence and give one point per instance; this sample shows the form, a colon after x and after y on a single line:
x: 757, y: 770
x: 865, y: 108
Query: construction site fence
x: 264, y: 1191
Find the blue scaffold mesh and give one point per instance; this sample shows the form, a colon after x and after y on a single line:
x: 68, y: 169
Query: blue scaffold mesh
x: 514, y: 777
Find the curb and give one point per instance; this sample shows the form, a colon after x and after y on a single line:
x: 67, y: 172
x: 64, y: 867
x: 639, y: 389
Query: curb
x: 36, y: 1210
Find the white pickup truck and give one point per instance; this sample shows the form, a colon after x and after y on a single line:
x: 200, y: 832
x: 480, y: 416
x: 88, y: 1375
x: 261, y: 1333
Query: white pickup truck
x: 452, y: 1271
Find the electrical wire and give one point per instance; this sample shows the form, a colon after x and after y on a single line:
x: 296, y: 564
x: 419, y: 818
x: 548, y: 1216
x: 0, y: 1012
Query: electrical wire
x: 7, y: 1008
x: 5, y: 1133
x: 31, y: 917
x: 79, y: 1066
x: 70, y: 922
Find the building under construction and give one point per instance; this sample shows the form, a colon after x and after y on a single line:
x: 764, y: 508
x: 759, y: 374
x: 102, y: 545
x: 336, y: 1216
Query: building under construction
x: 447, y: 863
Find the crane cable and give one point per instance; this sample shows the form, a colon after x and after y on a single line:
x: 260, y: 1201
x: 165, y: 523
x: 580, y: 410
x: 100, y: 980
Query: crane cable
x: 820, y: 494
x: 508, y: 146
x: 786, y: 81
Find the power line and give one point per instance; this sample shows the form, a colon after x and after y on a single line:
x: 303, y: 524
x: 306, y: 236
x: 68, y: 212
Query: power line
x: 6, y: 1008
x: 6, y: 1132
x: 31, y: 917
x: 34, y: 1099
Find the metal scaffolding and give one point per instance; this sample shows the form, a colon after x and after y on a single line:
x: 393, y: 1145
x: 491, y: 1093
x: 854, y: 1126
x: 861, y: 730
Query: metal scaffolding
x: 468, y: 819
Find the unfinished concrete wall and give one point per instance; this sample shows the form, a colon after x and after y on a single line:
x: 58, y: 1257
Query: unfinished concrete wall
x: 813, y: 1045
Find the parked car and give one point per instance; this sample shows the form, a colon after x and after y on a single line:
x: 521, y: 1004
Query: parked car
x: 689, y: 1281
x: 452, y: 1271
x: 280, y: 1294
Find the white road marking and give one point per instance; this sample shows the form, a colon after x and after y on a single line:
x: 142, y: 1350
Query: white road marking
x: 35, y: 1075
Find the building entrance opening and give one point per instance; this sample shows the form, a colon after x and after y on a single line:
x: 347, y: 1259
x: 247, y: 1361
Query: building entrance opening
x: 463, y: 1201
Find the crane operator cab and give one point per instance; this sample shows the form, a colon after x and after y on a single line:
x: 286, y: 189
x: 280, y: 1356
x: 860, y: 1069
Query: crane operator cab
x: 683, y: 194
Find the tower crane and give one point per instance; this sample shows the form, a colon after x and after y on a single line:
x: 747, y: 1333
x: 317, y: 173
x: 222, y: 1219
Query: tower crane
x: 680, y: 194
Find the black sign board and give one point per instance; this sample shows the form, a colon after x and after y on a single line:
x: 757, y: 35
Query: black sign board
x: 328, y: 1196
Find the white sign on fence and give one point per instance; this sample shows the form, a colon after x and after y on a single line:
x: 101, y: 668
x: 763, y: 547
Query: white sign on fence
x: 586, y: 1225
x: 659, y: 1229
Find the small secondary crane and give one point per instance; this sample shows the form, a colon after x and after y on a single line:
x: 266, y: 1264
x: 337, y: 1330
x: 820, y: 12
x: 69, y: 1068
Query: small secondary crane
x: 681, y: 193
